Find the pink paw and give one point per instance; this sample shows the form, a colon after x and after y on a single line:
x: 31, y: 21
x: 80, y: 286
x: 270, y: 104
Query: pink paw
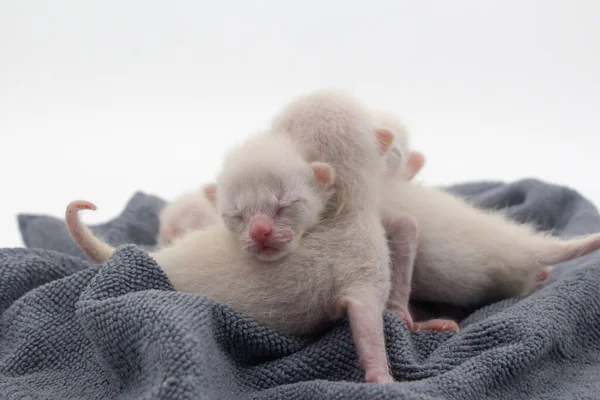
x: 436, y: 325
x: 541, y: 276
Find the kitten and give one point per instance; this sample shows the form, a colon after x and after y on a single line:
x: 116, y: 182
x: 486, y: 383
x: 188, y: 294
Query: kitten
x: 189, y: 211
x: 216, y: 261
x: 401, y: 161
x: 295, y: 251
x: 331, y: 126
x: 401, y: 227
x: 467, y: 256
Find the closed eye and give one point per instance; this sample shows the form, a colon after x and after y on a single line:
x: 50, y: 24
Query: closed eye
x: 286, y: 204
x: 280, y: 208
x: 234, y: 216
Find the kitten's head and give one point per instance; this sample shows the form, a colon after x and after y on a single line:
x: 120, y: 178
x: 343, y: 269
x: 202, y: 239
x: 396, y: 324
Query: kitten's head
x: 400, y: 161
x: 190, y: 211
x: 269, y: 196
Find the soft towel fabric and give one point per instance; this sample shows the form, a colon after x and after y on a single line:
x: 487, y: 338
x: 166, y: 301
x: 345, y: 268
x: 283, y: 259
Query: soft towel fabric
x: 73, y: 329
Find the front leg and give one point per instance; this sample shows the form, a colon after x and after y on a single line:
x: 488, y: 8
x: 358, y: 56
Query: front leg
x: 403, y: 237
x: 366, y: 322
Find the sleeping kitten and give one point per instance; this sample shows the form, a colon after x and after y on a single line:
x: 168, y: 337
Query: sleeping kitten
x: 278, y: 260
x: 192, y: 210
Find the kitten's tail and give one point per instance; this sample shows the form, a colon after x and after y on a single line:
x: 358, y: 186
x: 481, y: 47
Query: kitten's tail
x: 556, y: 251
x: 95, y: 248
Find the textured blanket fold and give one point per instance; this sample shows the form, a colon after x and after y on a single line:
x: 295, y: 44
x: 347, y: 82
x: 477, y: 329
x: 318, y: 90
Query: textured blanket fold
x: 74, y: 329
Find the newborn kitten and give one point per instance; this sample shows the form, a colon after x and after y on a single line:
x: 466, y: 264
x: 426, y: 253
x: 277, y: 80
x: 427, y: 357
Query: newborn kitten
x: 470, y: 257
x: 400, y: 160
x: 402, y: 228
x: 193, y: 210
x: 271, y: 198
x: 342, y: 153
x: 286, y: 292
x: 464, y: 256
x: 332, y: 127
x: 265, y: 199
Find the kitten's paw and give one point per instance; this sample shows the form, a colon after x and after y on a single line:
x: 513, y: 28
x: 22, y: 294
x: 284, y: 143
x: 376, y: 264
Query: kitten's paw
x: 540, y: 277
x: 376, y: 372
x: 436, y: 325
x: 381, y: 377
x: 543, y: 274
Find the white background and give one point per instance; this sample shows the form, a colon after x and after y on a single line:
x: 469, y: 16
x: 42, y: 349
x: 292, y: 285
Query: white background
x: 99, y: 99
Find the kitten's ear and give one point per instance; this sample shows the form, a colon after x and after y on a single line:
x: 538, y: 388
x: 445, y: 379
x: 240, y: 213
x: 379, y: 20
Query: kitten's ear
x: 324, y: 173
x: 415, y: 163
x: 385, y: 138
x: 210, y: 191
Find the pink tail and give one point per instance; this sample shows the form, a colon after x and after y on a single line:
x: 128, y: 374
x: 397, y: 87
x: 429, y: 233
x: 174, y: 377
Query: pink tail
x: 96, y: 249
x: 565, y: 250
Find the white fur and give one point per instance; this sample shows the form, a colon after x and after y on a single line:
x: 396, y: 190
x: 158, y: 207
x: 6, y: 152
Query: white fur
x: 343, y: 262
x: 349, y: 143
x: 292, y: 294
x: 188, y: 212
x: 401, y: 161
x: 331, y: 126
x: 470, y: 257
x: 397, y: 157
x: 267, y: 178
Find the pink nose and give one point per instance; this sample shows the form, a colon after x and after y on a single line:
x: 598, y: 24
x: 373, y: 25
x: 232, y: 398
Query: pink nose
x: 260, y: 229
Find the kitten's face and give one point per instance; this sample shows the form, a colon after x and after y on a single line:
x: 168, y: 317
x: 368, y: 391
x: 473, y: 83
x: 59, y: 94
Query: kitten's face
x: 271, y: 210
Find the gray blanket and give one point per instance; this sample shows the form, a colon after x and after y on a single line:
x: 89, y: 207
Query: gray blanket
x: 72, y: 329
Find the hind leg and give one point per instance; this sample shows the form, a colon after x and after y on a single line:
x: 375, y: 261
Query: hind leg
x: 403, y: 237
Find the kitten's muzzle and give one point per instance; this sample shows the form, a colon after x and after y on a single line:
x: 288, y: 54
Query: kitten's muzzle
x: 266, y: 236
x: 260, y: 229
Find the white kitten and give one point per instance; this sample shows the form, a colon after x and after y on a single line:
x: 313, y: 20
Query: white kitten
x: 189, y: 211
x: 470, y: 257
x: 401, y: 227
x: 401, y: 161
x: 333, y: 127
x: 283, y: 293
x: 269, y: 198
x: 256, y: 265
